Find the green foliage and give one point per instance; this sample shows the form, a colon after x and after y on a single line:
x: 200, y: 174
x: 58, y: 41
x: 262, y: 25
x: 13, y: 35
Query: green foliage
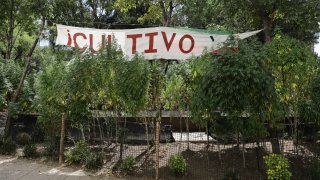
x: 309, y: 108
x: 86, y: 81
x: 30, y: 150
x: 89, y: 81
x: 94, y: 160
x: 176, y: 94
x: 8, y: 147
x: 9, y: 78
x: 173, y: 92
x: 237, y: 84
x: 309, y: 112
x: 23, y: 138
x: 51, y: 102
x: 78, y: 153
x: 315, y: 91
x: 24, y: 15
x: 178, y: 165
x: 81, y: 154
x: 82, y: 13
x: 199, y: 13
x: 157, y: 84
x: 151, y: 11
x: 80, y: 88
x: 298, y: 19
x: 294, y: 66
x: 277, y: 167
x: 132, y: 80
x: 127, y: 164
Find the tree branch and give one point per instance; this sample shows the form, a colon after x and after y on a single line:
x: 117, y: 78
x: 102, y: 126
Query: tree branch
x: 28, y: 62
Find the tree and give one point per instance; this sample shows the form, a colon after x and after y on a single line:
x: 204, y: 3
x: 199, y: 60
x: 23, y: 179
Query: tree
x: 233, y: 84
x: 303, y: 15
x: 132, y: 83
x: 196, y: 14
x: 309, y: 108
x: 15, y: 12
x: 18, y: 19
x: 154, y: 10
x: 177, y: 91
x: 91, y: 13
x: 294, y: 66
x: 51, y: 98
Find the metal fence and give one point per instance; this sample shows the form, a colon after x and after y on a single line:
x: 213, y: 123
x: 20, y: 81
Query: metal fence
x: 207, y: 156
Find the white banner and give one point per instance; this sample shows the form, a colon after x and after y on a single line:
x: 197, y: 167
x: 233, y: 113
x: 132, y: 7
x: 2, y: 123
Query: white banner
x: 152, y: 43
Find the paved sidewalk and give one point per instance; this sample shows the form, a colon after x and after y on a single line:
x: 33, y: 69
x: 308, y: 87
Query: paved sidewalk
x: 12, y: 168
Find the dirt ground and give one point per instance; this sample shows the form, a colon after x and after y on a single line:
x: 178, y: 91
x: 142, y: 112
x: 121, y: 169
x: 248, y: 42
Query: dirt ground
x: 208, y: 163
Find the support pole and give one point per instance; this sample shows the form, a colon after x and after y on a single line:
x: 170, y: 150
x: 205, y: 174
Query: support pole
x: 61, y: 153
x: 157, y: 143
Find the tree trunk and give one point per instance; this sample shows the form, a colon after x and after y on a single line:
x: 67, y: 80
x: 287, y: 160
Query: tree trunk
x: 83, y: 137
x: 267, y: 25
x: 180, y: 120
x: 243, y: 154
x: 274, y: 141
x: 187, y: 126
x: 147, y: 135
x: 238, y: 140
x: 296, y: 135
x: 23, y: 77
x: 10, y: 32
x: 123, y: 134
x: 100, y: 131
x: 258, y: 156
x: 117, y: 131
x: 61, y: 152
x: 166, y: 14
x: 157, y: 143
x: 207, y: 131
x: 219, y: 151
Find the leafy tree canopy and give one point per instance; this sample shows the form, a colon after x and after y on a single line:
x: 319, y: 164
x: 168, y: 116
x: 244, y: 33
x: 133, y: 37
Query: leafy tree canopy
x: 233, y: 84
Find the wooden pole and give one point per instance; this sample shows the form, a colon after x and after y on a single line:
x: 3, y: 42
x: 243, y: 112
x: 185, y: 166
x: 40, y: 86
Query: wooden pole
x: 147, y: 135
x: 62, y: 138
x: 207, y: 131
x: 243, y: 155
x: 157, y: 144
x: 187, y: 126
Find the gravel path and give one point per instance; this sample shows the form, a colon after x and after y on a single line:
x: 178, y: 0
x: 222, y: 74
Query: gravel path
x: 12, y: 168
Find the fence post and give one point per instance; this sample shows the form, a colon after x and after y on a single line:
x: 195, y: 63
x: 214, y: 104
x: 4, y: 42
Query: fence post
x: 157, y: 143
x: 187, y: 126
x: 62, y: 138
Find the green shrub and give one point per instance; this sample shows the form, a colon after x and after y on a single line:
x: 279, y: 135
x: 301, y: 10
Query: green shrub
x: 8, y: 147
x: 79, y: 153
x: 178, y: 165
x: 23, y: 138
x: 314, y: 169
x: 277, y: 167
x: 30, y: 150
x: 127, y: 164
x: 94, y: 160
